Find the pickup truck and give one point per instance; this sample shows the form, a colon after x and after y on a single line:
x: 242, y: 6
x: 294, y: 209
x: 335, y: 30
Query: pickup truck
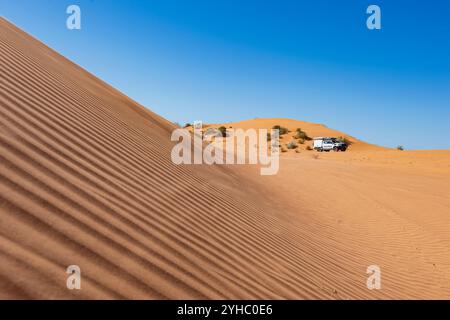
x: 327, y: 144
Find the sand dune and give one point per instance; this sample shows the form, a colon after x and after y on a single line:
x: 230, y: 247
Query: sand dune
x: 312, y: 130
x: 86, y: 178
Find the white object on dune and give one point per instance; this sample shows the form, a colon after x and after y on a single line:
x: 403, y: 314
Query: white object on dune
x: 329, y: 143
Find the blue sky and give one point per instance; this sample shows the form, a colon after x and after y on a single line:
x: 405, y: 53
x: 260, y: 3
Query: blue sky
x: 221, y: 61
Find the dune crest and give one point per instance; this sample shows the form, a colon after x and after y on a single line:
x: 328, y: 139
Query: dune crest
x: 311, y: 129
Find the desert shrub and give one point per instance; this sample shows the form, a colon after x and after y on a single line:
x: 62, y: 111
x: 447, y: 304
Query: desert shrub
x: 280, y: 129
x: 308, y: 148
x: 345, y: 140
x: 187, y: 125
x: 400, y: 148
x: 223, y: 131
x: 283, y: 149
x: 300, y: 134
x: 292, y: 145
x: 301, y: 141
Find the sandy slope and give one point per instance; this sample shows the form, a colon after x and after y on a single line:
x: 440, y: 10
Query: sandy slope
x: 86, y: 178
x: 366, y: 212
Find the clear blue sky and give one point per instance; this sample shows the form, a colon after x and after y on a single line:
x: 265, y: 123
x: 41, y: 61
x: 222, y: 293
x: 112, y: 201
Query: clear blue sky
x: 226, y: 60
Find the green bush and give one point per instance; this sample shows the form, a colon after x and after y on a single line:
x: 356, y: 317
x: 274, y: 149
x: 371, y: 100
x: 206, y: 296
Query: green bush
x: 300, y: 134
x: 345, y: 140
x: 280, y: 129
x: 223, y: 131
x: 292, y: 145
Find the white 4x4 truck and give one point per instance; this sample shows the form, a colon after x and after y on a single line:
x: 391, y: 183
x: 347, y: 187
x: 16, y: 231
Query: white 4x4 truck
x: 327, y: 144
